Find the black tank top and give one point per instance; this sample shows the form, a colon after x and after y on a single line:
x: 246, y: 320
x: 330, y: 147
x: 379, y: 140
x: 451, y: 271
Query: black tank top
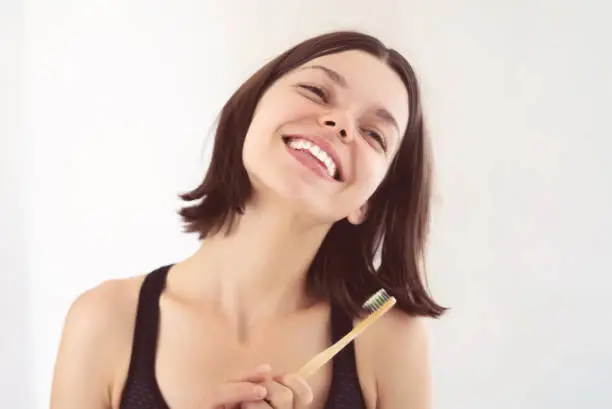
x: 141, y: 390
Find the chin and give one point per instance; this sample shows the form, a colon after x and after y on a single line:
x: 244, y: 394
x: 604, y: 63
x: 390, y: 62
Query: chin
x: 288, y: 190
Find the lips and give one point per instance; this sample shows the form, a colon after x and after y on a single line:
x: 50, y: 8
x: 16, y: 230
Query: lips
x: 320, y: 150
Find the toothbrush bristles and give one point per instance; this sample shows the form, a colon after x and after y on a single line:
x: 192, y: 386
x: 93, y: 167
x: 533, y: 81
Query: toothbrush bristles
x: 376, y: 301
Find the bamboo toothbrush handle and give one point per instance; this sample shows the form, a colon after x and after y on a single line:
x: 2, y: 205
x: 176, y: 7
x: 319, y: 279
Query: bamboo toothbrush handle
x: 325, y: 356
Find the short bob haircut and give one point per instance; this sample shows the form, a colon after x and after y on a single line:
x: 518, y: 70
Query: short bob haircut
x: 343, y: 271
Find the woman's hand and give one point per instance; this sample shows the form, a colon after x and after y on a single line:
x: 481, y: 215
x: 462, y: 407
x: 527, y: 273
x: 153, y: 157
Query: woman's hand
x: 289, y: 391
x: 246, y: 388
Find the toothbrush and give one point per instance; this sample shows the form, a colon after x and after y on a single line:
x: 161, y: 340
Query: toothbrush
x: 378, y: 305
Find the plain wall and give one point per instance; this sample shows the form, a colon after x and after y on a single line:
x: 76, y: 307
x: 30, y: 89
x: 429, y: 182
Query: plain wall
x: 120, y: 97
x: 15, y: 340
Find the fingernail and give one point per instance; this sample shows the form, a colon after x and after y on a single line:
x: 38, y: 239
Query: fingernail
x: 260, y: 391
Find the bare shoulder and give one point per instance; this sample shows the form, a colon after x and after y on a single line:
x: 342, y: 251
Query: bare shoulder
x: 96, y: 340
x: 395, y: 353
x: 104, y: 315
x: 108, y: 305
x: 398, y: 329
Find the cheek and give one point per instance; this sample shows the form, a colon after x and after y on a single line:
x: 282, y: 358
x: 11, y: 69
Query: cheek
x: 271, y: 114
x: 263, y: 127
x: 256, y: 142
x: 370, y: 174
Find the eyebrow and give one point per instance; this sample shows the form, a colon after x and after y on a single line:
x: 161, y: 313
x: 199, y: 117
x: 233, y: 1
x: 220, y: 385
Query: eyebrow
x: 333, y: 75
x: 339, y: 80
x: 386, y: 116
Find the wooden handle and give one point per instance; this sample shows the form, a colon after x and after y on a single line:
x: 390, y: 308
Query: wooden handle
x: 325, y: 356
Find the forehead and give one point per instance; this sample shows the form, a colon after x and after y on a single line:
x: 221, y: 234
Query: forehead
x: 368, y: 78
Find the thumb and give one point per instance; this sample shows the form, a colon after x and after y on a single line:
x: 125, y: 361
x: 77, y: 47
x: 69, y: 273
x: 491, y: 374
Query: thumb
x: 257, y: 374
x: 243, y: 388
x: 237, y: 392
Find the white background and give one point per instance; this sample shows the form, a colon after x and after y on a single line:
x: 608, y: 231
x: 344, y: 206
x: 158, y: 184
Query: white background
x: 104, y: 111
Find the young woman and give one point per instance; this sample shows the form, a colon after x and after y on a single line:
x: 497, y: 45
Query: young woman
x: 316, y: 197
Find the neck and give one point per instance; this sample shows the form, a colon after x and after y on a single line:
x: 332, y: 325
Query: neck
x: 258, y: 272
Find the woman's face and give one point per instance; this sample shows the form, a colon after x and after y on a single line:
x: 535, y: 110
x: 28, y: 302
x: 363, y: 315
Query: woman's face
x: 323, y: 136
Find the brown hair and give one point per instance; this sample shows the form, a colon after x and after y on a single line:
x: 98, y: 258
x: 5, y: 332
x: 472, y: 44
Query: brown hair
x: 343, y: 270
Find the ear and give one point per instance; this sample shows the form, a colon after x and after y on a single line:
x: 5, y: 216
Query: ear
x: 358, y: 216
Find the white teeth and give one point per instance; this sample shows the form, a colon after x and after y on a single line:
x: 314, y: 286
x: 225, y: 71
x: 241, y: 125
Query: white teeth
x: 317, y: 152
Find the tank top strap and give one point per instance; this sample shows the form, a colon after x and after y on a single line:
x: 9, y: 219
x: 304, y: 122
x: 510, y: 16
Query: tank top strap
x: 345, y: 390
x: 146, y: 329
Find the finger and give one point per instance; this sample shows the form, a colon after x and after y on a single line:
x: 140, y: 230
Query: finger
x: 279, y: 396
x: 257, y: 374
x: 301, y: 390
x: 236, y: 392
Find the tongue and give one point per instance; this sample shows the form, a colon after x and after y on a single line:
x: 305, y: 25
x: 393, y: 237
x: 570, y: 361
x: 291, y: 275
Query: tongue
x: 311, y: 162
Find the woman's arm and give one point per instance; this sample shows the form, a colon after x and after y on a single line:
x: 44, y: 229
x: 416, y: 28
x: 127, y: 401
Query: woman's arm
x: 402, y: 363
x: 92, y: 342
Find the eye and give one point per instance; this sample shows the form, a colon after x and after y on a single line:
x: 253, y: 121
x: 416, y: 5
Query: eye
x: 318, y: 91
x: 380, y: 140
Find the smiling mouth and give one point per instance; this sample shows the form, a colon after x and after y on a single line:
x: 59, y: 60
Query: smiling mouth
x: 318, y: 153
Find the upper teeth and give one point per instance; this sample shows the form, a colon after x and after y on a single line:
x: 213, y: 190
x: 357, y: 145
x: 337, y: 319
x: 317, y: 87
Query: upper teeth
x: 317, y: 152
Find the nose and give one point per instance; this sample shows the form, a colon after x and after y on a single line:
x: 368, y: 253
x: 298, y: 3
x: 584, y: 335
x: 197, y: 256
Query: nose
x: 338, y: 126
